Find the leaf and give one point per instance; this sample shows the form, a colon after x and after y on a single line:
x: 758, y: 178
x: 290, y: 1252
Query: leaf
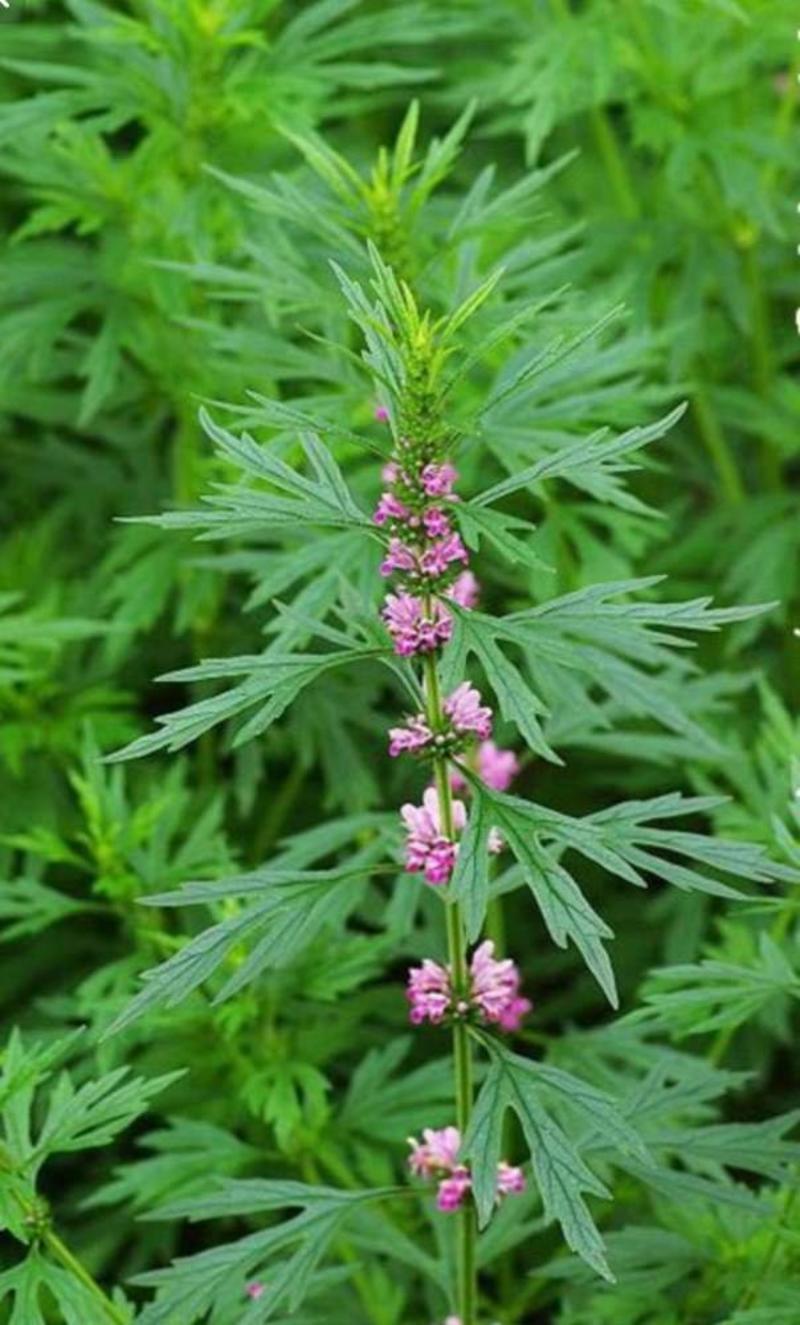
x: 477, y: 634
x: 470, y: 882
x: 502, y: 531
x: 283, y: 1256
x: 543, y: 360
x: 623, y: 841
x: 292, y: 908
x: 593, y: 463
x: 272, y: 683
x: 28, y: 907
x: 561, y: 1175
x: 323, y: 500
x: 36, y: 1282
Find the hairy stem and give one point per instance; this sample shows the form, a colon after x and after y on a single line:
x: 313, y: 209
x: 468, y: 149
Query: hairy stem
x: 462, y: 1049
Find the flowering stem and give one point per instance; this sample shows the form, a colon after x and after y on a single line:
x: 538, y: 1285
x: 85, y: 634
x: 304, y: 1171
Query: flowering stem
x: 462, y: 1049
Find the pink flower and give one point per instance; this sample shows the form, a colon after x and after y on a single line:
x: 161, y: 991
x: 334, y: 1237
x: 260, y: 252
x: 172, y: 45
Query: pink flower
x: 410, y: 628
x: 390, y: 472
x: 510, y: 1179
x: 436, y: 1157
x: 493, y: 995
x: 438, y: 556
x: 452, y: 1190
x: 497, y: 768
x: 511, y: 1017
x: 494, y: 842
x: 429, y: 992
x: 427, y: 850
x: 436, y: 1153
x: 381, y: 414
x: 436, y: 523
x: 464, y: 709
x: 400, y: 557
x: 389, y: 508
x: 255, y: 1290
x: 465, y: 590
x: 466, y: 716
x: 438, y: 480
x: 410, y: 739
x: 495, y: 988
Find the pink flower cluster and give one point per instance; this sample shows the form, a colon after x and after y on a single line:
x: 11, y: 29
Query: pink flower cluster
x: 415, y: 627
x: 436, y: 1158
x: 493, y: 995
x: 466, y: 717
x: 425, y: 552
x: 428, y: 850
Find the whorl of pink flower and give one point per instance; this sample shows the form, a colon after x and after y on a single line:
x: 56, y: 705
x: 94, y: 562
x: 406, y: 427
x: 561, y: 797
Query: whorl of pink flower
x: 452, y: 1190
x: 429, y: 992
x: 510, y: 1179
x: 436, y: 523
x: 427, y: 849
x: 494, y: 992
x: 497, y: 768
x: 436, y: 1153
x: 513, y: 1014
x: 411, y: 629
x: 494, y: 988
x: 400, y: 557
x: 255, y: 1290
x: 466, y: 712
x: 438, y: 556
x: 389, y: 508
x: 465, y: 590
x: 410, y: 739
x: 438, y: 480
x: 436, y: 1156
x: 381, y: 414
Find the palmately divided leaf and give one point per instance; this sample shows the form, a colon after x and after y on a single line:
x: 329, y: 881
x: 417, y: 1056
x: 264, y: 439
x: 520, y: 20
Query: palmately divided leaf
x: 272, y: 683
x: 623, y: 841
x: 561, y: 1175
x: 284, y: 1256
x: 293, y: 908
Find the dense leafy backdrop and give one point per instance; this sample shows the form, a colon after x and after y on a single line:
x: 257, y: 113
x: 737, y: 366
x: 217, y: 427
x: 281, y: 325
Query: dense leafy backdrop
x: 190, y: 192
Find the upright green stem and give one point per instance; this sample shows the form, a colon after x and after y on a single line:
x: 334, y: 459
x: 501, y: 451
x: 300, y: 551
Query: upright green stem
x: 614, y: 163
x: 62, y: 1253
x: 462, y: 1049
x: 715, y: 443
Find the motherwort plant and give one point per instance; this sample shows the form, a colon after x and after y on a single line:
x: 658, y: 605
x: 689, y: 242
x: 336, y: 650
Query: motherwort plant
x: 445, y: 865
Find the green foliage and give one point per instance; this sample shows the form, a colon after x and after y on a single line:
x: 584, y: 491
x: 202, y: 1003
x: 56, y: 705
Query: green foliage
x: 555, y: 242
